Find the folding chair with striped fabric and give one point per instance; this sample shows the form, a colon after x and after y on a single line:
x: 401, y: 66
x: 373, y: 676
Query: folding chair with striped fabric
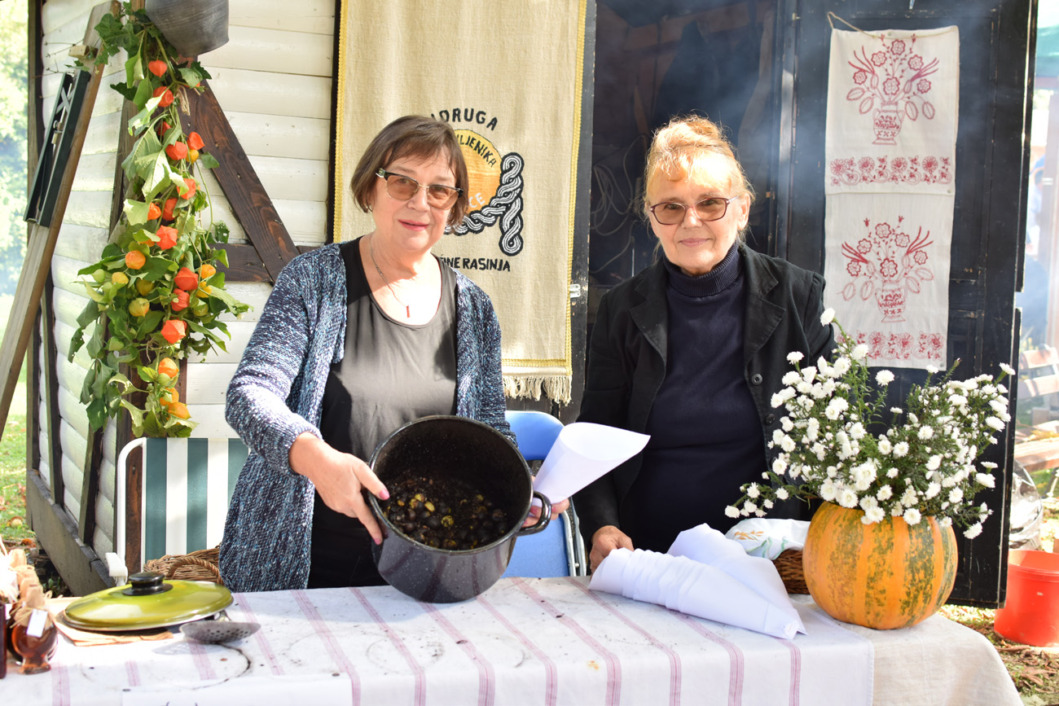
x: 187, y: 485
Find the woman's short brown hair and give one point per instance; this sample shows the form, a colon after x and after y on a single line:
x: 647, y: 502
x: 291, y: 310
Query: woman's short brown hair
x: 676, y: 146
x: 411, y: 136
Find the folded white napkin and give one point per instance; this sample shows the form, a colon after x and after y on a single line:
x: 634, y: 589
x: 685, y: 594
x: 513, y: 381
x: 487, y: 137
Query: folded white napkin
x: 761, y: 536
x: 704, y: 575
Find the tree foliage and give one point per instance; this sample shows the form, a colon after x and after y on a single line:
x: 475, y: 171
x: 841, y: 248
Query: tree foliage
x: 13, y: 120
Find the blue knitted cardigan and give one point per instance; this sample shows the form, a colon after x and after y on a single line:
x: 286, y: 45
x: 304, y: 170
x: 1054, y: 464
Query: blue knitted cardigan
x: 277, y: 393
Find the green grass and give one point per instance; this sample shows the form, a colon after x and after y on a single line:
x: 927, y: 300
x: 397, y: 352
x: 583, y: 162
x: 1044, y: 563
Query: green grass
x: 13, y: 524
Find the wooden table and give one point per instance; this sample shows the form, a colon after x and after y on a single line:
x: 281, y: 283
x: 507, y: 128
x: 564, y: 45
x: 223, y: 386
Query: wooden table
x: 524, y: 641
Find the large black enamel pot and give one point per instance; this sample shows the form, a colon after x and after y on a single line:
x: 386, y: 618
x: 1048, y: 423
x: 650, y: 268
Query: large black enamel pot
x: 479, y: 456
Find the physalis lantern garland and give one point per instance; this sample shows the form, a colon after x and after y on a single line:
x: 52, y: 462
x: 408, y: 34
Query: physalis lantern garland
x: 922, y: 465
x: 156, y: 289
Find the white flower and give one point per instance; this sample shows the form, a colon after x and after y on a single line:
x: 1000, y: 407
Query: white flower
x: 892, y: 473
x: 731, y: 511
x: 790, y: 377
x: 910, y: 497
x: 925, y: 432
x: 782, y: 494
x: 885, y: 447
x: 875, y: 514
x: 827, y: 490
x: 933, y: 370
x: 768, y: 504
x: 860, y: 351
x: 973, y: 531
x: 1007, y: 369
x: 912, y: 516
x: 896, y: 410
x: 752, y: 491
x: 779, y: 465
x: 884, y: 377
x: 985, y: 479
x: 994, y: 423
x: 934, y: 462
x: 847, y: 498
x: 835, y: 408
x: 841, y: 367
x: 857, y: 431
x: 885, y: 493
x: 794, y: 357
x: 787, y: 444
x: 749, y: 507
x: 955, y: 495
x: 828, y: 316
x: 933, y: 489
x: 900, y: 449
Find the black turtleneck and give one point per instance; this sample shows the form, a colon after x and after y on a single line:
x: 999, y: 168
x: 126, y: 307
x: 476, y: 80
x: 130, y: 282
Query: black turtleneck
x: 706, y: 438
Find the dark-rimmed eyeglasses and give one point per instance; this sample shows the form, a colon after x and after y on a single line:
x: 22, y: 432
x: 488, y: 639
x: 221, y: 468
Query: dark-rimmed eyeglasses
x: 403, y: 187
x: 670, y: 213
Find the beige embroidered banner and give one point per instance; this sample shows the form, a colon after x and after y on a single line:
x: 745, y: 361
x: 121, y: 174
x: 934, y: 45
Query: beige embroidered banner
x: 892, y: 115
x: 506, y: 74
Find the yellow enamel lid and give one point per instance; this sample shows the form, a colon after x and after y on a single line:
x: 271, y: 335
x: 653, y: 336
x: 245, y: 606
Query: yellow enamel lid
x: 147, y: 602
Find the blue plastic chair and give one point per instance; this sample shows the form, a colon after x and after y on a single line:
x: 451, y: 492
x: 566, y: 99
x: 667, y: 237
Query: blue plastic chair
x: 558, y: 550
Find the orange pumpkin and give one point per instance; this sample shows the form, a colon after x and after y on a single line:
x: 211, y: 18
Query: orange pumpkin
x: 884, y: 575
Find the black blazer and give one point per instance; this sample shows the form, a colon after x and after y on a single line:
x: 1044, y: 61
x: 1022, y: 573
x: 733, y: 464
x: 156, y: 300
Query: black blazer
x: 628, y: 352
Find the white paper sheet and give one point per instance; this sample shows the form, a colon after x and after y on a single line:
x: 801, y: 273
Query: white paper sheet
x: 582, y: 453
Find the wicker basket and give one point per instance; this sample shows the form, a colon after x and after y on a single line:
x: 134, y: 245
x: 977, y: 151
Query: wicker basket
x: 789, y: 564
x: 196, y: 566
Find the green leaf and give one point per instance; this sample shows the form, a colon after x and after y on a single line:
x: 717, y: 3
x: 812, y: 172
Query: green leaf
x: 97, y: 413
x: 133, y: 69
x: 147, y: 374
x: 137, y: 417
x: 95, y: 343
x: 207, y: 161
x: 230, y: 302
x: 193, y: 75
x: 136, y: 211
x: 88, y: 315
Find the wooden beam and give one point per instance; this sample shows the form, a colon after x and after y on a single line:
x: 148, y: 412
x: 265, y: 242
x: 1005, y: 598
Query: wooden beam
x: 239, y: 181
x: 37, y: 263
x: 35, y: 124
x: 79, y: 565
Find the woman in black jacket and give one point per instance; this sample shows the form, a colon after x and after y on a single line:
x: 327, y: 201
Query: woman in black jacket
x: 691, y: 350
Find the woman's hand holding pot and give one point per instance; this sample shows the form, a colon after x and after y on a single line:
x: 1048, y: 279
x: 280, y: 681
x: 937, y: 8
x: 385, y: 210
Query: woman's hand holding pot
x: 535, y: 511
x: 339, y: 478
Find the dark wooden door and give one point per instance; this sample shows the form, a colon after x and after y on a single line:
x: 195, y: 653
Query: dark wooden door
x: 988, y: 230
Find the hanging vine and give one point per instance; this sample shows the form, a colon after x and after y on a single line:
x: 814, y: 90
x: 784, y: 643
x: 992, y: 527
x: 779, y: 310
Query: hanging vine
x: 156, y: 293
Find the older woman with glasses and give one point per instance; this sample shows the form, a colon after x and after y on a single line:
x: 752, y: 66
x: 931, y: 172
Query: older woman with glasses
x: 356, y: 339
x: 691, y: 350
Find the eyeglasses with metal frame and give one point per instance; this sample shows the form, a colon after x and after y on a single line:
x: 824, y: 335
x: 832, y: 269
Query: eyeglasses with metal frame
x: 403, y: 188
x: 670, y: 213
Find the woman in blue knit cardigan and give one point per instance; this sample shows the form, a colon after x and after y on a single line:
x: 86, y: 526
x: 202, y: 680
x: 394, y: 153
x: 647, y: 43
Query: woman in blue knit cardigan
x: 355, y: 340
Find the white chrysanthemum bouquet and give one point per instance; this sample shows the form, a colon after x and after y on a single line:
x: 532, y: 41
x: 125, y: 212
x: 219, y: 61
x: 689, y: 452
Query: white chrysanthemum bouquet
x: 839, y: 442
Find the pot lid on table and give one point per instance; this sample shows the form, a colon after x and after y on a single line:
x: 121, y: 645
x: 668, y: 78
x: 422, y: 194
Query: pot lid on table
x: 147, y: 602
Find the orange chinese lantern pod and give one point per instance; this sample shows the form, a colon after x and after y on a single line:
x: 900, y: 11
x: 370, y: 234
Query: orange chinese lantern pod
x: 179, y: 410
x: 139, y: 307
x: 167, y: 211
x: 163, y: 128
x: 186, y: 279
x: 180, y: 300
x: 177, y: 151
x: 144, y: 286
x: 119, y: 278
x: 195, y: 141
x: 158, y: 68
x: 153, y: 212
x: 192, y: 188
x: 134, y: 259
x: 174, y: 330
x: 168, y: 366
x: 167, y: 237
x: 206, y: 271
x: 169, y: 396
x: 166, y: 94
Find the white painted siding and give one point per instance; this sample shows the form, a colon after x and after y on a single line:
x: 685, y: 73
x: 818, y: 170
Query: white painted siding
x: 273, y: 80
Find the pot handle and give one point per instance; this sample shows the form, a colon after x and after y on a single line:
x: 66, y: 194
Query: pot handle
x: 543, y: 520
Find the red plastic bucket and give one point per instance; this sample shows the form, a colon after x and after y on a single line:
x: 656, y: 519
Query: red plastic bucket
x: 1031, y: 614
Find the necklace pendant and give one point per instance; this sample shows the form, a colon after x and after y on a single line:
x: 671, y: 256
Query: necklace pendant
x: 408, y: 311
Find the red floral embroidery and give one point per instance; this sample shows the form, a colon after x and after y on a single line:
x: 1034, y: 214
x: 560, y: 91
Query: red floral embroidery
x: 892, y: 86
x: 884, y: 346
x: 887, y: 264
x: 926, y: 169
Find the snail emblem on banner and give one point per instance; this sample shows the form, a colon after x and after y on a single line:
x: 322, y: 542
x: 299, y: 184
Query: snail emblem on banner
x: 495, y: 192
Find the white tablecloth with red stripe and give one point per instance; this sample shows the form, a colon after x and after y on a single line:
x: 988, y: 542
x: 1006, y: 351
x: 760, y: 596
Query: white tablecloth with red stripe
x: 524, y: 641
